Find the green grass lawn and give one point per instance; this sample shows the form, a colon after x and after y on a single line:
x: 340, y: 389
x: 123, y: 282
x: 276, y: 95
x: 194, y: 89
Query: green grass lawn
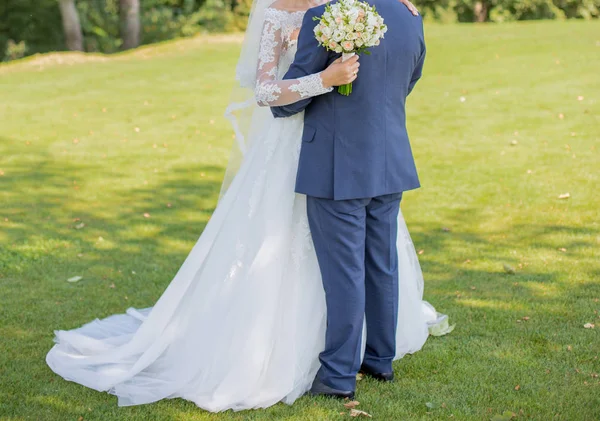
x: 111, y: 167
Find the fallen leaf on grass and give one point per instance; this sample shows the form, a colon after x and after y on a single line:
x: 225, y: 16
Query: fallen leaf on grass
x: 562, y: 249
x: 509, y: 269
x: 75, y: 279
x: 564, y: 196
x: 526, y: 318
x: 518, y: 387
x: 79, y: 226
x: 359, y: 377
x: 352, y: 404
x: 421, y: 251
x: 506, y: 416
x: 146, y: 215
x: 442, y: 328
x: 589, y: 326
x: 358, y: 413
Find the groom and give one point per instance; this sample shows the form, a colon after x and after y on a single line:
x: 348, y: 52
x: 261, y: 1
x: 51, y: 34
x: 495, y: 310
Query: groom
x: 355, y: 162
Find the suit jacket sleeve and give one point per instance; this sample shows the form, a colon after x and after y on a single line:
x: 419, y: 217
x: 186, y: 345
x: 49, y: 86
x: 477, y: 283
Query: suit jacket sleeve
x: 417, y: 72
x: 310, y: 58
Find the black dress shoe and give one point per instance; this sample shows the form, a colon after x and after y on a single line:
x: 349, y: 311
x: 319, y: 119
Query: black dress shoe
x: 320, y: 389
x: 384, y: 377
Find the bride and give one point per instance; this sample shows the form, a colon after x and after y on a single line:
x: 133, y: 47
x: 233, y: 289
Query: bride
x: 242, y: 323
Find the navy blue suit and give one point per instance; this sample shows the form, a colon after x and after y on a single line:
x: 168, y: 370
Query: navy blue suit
x: 355, y: 162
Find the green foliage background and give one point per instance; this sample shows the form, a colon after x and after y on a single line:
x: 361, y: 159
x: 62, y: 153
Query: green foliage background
x: 38, y: 23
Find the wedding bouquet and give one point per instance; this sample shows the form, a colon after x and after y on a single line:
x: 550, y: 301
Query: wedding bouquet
x: 349, y: 27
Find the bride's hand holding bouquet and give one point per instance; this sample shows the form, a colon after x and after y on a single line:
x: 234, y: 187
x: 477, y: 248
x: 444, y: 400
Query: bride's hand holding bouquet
x: 349, y: 27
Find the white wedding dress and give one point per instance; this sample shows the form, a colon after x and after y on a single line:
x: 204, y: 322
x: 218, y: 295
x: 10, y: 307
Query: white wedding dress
x: 242, y: 323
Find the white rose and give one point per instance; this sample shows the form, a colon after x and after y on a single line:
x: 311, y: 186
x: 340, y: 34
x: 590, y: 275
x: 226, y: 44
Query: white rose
x: 338, y: 36
x: 327, y: 31
x: 353, y: 15
x: 359, y: 42
x: 371, y: 19
x: 338, y: 49
x: 351, y: 36
x: 370, y: 29
x: 365, y: 36
x: 359, y: 27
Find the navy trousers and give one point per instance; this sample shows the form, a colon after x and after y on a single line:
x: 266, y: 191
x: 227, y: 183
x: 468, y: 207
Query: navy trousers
x: 355, y: 242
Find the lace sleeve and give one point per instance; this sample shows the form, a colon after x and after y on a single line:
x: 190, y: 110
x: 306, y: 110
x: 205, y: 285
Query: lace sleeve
x: 270, y: 91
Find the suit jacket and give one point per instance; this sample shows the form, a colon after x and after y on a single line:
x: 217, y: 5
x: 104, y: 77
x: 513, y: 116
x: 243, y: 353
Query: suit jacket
x: 357, y: 146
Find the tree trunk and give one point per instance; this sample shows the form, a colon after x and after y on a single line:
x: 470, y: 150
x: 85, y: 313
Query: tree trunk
x: 481, y: 11
x: 129, y: 11
x: 71, y: 25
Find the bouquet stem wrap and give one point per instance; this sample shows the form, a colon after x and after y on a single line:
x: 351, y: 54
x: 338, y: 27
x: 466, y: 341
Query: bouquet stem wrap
x: 346, y: 89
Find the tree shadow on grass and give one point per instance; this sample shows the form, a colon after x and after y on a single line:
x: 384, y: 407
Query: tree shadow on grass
x: 43, y: 248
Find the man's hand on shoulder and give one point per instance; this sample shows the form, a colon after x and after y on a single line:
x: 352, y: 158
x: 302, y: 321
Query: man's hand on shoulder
x: 410, y: 6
